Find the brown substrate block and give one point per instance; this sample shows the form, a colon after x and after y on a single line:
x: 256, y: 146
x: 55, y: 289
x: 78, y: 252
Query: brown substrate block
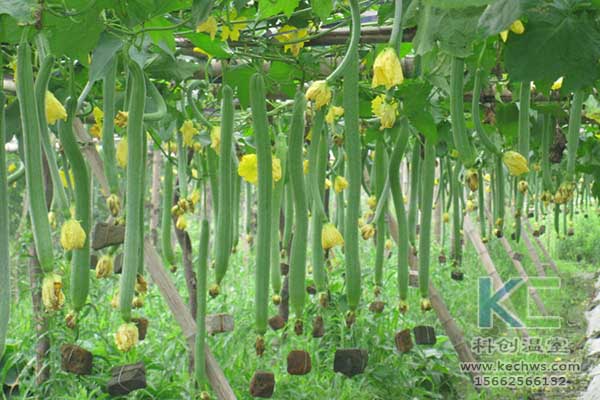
x: 318, y: 329
x: 262, y: 384
x: 298, y: 362
x: 76, y: 360
x: 457, y: 275
x: 350, y: 362
x: 403, y: 341
x: 127, y: 378
x: 377, y: 306
x: 277, y: 322
x: 424, y: 335
x: 106, y: 234
x: 142, y: 325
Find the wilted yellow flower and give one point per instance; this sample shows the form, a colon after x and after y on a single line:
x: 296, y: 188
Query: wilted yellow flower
x: 333, y: 113
x: 98, y: 115
x: 523, y: 186
x: 472, y: 179
x: 52, y: 219
x: 487, y: 177
x: 11, y: 168
x: 248, y: 168
x: 331, y: 236
x: 276, y: 168
x: 387, y: 70
x: 188, y: 131
x: 72, y: 235
x: 54, y: 109
x: 386, y: 112
x: 141, y: 286
x: 52, y: 295
x: 114, y: 204
x: 232, y: 31
x: 215, y: 139
x: 367, y: 231
x: 320, y: 93
x: 181, y: 223
x: 137, y: 302
x: 557, y: 84
x: 305, y: 167
x: 327, y: 183
x: 127, y: 337
x: 104, y: 266
x: 470, y: 205
x: 515, y: 162
x: 208, y: 26
x: 339, y: 184
x: 446, y: 217
x: 122, y: 153
x: 388, y: 244
x: 96, y: 131
x: 195, y: 196
x: 121, y: 119
x: 289, y: 33
x: 372, y: 202
x: 516, y: 27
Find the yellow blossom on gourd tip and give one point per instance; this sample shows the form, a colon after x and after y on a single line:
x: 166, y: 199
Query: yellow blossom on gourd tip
x: 215, y: 139
x: 387, y: 70
x: 54, y: 109
x: 63, y: 177
x: 52, y: 219
x: 515, y: 162
x: 276, y: 168
x: 305, y: 167
x: 372, y: 202
x: 52, y: 295
x: 11, y: 168
x: 248, y: 168
x: 333, y: 113
x: 388, y: 244
x: 367, y: 231
x: 386, y: 112
x: 98, y: 115
x: 122, y: 153
x: 331, y: 236
x: 195, y: 196
x: 188, y: 131
x: 517, y: 27
x: 320, y: 93
x: 181, y: 223
x: 127, y: 337
x: 72, y: 235
x: 104, y: 266
x: 208, y: 26
x: 339, y: 184
x: 557, y: 84
x: 327, y: 183
x: 121, y: 119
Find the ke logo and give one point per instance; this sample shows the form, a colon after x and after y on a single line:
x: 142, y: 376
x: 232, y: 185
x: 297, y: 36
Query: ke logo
x: 495, y: 303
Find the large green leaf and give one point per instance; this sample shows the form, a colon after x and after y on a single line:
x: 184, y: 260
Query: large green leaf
x: 268, y: 8
x: 10, y: 31
x: 322, y: 8
x: 238, y: 78
x: 215, y: 48
x: 108, y: 45
x: 416, y: 106
x: 21, y: 10
x: 555, y: 43
x: 500, y: 14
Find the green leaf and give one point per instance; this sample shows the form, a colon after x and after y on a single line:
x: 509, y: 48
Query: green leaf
x: 416, y: 106
x: 555, y: 43
x: 283, y: 77
x: 269, y: 8
x: 10, y: 31
x: 105, y: 50
x: 507, y: 120
x: 167, y: 67
x: 215, y: 48
x: 165, y: 38
x: 200, y: 10
x: 500, y: 14
x: 451, y: 4
x: 322, y: 8
x: 21, y: 10
x: 238, y: 78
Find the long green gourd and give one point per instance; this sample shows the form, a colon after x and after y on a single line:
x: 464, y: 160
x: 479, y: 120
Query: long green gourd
x: 427, y: 178
x: 380, y: 178
x: 500, y: 194
x: 314, y: 198
x: 288, y: 212
x: 352, y: 147
x: 108, y: 126
x: 524, y: 133
x: 413, y: 208
x: 202, y: 272
x: 40, y: 87
x: 4, y: 227
x: 249, y: 206
x: 456, y: 216
x: 18, y: 174
x: 397, y: 198
x: 80, y: 263
x: 260, y: 126
x: 166, y: 218
x: 547, y: 134
x: 318, y: 255
x: 340, y: 210
x: 235, y: 202
x: 278, y: 191
x: 182, y: 166
x: 481, y: 204
x: 573, y: 133
x: 33, y: 158
x: 135, y: 186
x: 223, y: 229
x: 212, y: 163
x: 297, y: 272
x: 457, y: 113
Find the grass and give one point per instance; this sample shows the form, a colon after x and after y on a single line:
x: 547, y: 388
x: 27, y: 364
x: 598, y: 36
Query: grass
x: 424, y: 373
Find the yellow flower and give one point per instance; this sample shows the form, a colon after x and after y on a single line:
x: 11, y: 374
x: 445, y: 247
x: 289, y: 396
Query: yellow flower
x: 127, y: 337
x: 372, y: 202
x: 201, y: 51
x: 386, y: 112
x: 188, y: 131
x: 333, y: 113
x: 11, y: 168
x: 387, y: 70
x: 181, y: 223
x: 248, y: 168
x: 98, y: 115
x: 320, y: 93
x: 327, y: 183
x: 472, y: 179
x: 72, y: 235
x: 305, y: 167
x: 121, y: 119
x: 215, y: 139
x: 515, y: 162
x: 52, y: 295
x: 367, y: 231
x: 96, y: 131
x: 195, y: 196
x: 487, y: 177
x: 141, y: 286
x: 470, y: 205
x: 233, y: 32
x: 339, y: 184
x: 54, y: 109
x: 331, y: 236
x: 114, y: 204
x: 557, y: 84
x: 289, y: 33
x: 388, y: 244
x: 52, y: 219
x: 122, y: 153
x: 276, y: 168
x: 104, y: 267
x: 63, y: 177
x: 446, y: 217
x: 208, y: 26
x: 516, y: 27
